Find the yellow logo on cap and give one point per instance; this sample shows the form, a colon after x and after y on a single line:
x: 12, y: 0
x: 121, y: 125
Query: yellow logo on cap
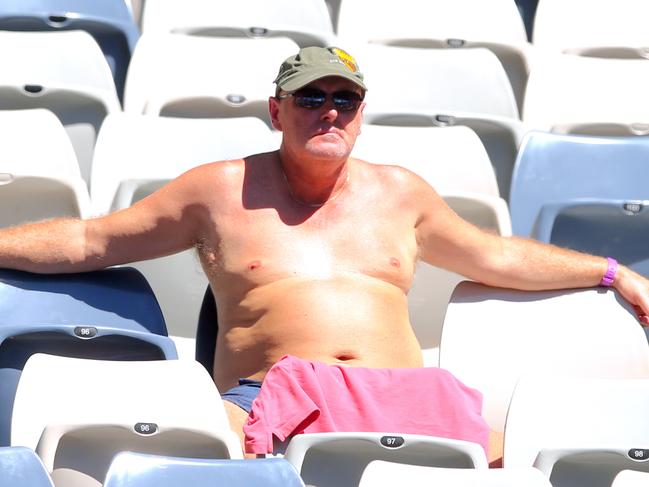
x: 346, y: 59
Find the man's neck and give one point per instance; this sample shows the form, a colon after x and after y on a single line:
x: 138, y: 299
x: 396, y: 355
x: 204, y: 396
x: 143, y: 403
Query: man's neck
x: 313, y: 182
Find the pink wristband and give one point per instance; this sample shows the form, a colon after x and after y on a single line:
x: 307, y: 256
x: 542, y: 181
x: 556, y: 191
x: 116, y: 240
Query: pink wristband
x: 609, y: 276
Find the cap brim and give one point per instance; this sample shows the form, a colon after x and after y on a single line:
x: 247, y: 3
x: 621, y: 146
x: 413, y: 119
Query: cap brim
x: 302, y: 79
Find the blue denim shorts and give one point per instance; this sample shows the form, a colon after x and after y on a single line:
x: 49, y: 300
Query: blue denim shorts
x: 243, y: 394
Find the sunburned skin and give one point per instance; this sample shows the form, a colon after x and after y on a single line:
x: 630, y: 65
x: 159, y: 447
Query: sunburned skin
x: 311, y: 283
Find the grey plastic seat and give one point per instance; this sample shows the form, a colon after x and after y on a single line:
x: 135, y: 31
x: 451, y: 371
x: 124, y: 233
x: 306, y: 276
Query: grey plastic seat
x: 110, y: 23
x: 141, y: 470
x: 618, y: 228
x: 19, y: 466
x: 554, y: 167
x: 110, y: 314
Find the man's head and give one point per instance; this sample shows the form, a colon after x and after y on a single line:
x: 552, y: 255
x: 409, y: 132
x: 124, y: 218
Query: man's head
x: 318, y: 102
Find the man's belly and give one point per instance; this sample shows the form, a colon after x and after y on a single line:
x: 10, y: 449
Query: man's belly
x: 351, y: 318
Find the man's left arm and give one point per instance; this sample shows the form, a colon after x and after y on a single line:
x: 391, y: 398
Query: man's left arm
x: 446, y: 240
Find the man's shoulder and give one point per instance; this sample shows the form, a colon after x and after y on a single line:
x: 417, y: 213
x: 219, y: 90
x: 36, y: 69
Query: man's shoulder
x: 229, y: 171
x: 388, y: 173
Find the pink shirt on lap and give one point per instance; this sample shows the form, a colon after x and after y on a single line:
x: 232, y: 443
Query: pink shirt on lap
x: 299, y: 396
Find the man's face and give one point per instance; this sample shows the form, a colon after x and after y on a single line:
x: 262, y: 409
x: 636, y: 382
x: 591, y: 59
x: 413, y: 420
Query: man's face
x: 326, y: 132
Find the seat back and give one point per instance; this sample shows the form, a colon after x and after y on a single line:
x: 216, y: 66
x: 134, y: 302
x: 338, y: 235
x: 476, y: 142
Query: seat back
x: 175, y: 75
x: 109, y: 314
x: 435, y: 82
x: 109, y: 23
x: 384, y: 474
x: 552, y: 167
x: 80, y: 95
x: 412, y: 19
x: 314, y: 454
x: 307, y: 22
x: 161, y: 400
x: 599, y: 227
x: 603, y: 28
x: 575, y: 94
x: 578, y: 431
x: 139, y: 470
x: 451, y: 159
x: 20, y: 466
x: 492, y: 336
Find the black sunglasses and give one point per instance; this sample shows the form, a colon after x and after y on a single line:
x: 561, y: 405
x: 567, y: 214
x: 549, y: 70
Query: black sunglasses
x: 311, y: 98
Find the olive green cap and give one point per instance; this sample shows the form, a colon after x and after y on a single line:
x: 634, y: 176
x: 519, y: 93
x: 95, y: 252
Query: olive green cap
x: 314, y: 63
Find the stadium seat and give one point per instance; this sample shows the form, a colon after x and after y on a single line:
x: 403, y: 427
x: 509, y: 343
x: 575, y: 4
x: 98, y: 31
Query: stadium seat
x: 307, y: 22
x: 451, y: 159
x: 80, y: 95
x: 335, y: 459
x: 139, y: 470
x: 39, y: 173
x: 97, y: 408
x: 204, y: 77
x: 108, y: 21
x: 585, y: 95
x: 20, y: 466
x: 109, y: 314
x: 493, y: 24
x: 435, y: 87
x: 617, y: 228
x: 578, y: 431
x: 631, y: 478
x: 553, y: 167
x: 387, y: 474
x: 137, y: 154
x: 603, y: 28
x: 492, y: 336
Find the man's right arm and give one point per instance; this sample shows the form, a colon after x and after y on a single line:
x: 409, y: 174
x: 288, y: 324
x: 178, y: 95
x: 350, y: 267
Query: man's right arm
x: 165, y: 222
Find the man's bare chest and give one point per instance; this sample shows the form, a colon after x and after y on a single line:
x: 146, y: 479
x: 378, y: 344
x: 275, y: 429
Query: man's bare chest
x: 259, y: 247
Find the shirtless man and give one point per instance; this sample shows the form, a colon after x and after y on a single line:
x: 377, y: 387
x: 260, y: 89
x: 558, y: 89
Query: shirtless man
x: 309, y: 251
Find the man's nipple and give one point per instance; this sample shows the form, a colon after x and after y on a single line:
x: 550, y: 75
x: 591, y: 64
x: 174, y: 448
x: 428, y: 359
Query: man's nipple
x: 254, y: 265
x: 395, y: 262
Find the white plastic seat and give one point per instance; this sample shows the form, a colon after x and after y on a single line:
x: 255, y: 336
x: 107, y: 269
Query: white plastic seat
x: 387, y: 474
x: 551, y: 168
x: 451, y: 159
x: 335, y: 459
x: 139, y: 470
x: 493, y: 24
x: 39, y: 173
x: 578, y: 431
x: 81, y: 94
x: 585, y: 95
x: 78, y: 413
x: 33, y: 198
x: 109, y: 22
x: 445, y: 87
x: 137, y: 154
x: 631, y: 478
x: 598, y: 226
x: 600, y: 28
x: 307, y: 22
x: 20, y: 466
x: 492, y: 336
x: 204, y: 77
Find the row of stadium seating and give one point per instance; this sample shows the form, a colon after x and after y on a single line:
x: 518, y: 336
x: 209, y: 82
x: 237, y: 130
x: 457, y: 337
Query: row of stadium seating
x: 553, y: 198
x: 87, y: 371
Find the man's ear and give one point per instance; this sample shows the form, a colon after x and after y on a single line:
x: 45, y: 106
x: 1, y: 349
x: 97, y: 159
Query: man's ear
x: 273, y: 110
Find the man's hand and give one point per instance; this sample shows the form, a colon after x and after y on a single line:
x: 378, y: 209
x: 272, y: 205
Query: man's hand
x: 635, y: 289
